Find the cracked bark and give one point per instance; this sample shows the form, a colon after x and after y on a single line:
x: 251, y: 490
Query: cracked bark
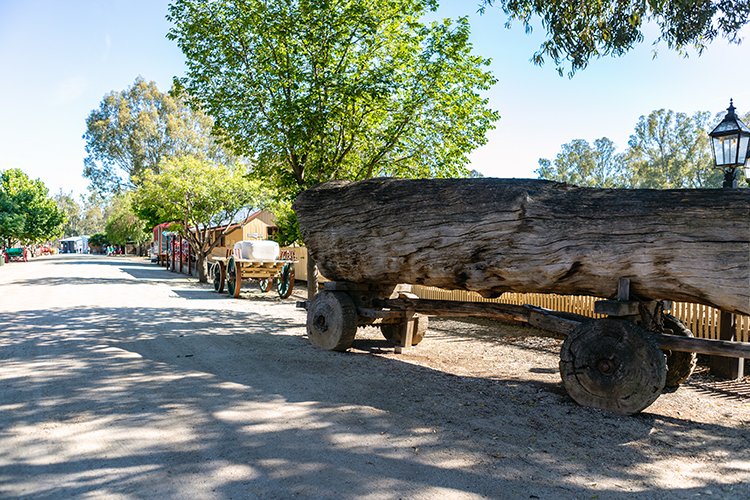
x: 497, y: 235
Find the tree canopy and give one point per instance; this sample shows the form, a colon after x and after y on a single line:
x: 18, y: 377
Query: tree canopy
x: 344, y: 89
x: 353, y: 90
x: 133, y: 130
x: 27, y: 214
x: 582, y: 164
x: 196, y: 195
x: 666, y: 150
x: 672, y: 150
x: 123, y: 223
x: 579, y: 30
x: 86, y: 215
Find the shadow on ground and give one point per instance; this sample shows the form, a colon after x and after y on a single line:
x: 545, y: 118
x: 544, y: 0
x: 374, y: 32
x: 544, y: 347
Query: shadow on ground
x: 246, y: 392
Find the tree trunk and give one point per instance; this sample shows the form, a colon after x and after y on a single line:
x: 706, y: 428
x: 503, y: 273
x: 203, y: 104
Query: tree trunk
x: 512, y: 235
x: 200, y: 264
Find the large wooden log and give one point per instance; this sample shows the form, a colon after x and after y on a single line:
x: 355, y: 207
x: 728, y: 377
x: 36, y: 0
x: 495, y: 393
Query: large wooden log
x: 497, y: 235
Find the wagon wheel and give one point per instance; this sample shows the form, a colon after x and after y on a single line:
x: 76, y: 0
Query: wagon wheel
x: 332, y: 321
x: 265, y: 284
x: 218, y: 272
x: 680, y: 365
x: 234, y: 277
x: 392, y: 331
x: 285, y: 283
x: 612, y: 364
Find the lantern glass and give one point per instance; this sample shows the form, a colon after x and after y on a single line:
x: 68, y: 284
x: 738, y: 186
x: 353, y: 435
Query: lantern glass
x: 743, y: 149
x: 725, y: 150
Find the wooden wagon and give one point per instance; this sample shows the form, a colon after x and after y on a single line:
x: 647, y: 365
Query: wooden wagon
x: 641, y: 248
x: 17, y: 254
x: 229, y: 272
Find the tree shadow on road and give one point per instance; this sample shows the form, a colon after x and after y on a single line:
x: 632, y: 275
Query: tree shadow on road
x: 241, y: 404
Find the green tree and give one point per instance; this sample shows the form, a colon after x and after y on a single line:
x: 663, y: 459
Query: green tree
x: 87, y: 216
x: 30, y: 215
x: 94, y: 212
x: 581, y: 164
x: 98, y: 240
x: 11, y: 219
x: 123, y: 225
x: 197, y: 195
x: 343, y: 89
x: 133, y: 130
x: 672, y: 150
x: 72, y: 210
x: 579, y: 30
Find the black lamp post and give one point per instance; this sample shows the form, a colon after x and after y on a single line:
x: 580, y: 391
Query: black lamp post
x: 731, y: 143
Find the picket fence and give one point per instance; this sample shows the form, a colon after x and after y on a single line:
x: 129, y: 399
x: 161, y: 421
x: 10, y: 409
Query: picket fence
x: 702, y: 320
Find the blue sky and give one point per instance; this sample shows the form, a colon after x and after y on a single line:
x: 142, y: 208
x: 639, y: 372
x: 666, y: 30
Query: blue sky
x: 58, y: 59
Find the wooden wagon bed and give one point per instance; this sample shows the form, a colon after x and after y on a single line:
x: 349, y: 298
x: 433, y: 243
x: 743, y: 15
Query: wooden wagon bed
x: 230, y: 271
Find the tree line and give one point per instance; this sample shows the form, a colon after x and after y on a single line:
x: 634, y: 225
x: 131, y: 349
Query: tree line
x: 28, y: 215
x: 667, y: 150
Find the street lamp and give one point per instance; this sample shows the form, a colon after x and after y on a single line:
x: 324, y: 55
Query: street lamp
x: 731, y: 140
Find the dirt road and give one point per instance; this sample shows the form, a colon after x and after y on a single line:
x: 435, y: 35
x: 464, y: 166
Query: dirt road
x: 121, y: 380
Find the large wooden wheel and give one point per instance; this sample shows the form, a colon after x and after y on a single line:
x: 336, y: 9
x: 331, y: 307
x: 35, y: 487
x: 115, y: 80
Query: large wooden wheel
x: 614, y: 365
x: 680, y: 365
x: 332, y: 321
x: 234, y: 277
x: 218, y: 273
x: 392, y: 331
x: 285, y: 283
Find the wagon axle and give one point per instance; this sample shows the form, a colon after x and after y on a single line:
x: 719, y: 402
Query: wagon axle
x: 613, y: 363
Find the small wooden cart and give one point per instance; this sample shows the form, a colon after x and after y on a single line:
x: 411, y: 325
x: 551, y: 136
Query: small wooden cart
x: 18, y: 254
x: 230, y: 271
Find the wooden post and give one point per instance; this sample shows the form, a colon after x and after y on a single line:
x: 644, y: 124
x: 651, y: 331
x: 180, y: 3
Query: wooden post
x: 723, y: 367
x: 173, y: 253
x: 407, y: 331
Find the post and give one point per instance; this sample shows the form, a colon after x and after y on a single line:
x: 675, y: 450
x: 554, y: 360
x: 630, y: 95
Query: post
x: 730, y: 179
x: 174, y: 250
x: 723, y: 367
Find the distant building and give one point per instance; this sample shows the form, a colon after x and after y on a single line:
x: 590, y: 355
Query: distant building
x: 75, y: 244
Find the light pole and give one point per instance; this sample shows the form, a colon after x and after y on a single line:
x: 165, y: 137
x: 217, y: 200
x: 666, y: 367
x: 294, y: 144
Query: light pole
x: 731, y: 145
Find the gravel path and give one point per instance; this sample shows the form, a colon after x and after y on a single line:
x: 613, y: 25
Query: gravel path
x: 122, y: 380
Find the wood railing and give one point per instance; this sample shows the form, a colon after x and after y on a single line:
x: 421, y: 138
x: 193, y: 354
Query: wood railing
x: 702, y: 320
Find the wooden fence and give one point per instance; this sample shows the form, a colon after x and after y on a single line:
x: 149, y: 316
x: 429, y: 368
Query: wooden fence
x: 702, y: 320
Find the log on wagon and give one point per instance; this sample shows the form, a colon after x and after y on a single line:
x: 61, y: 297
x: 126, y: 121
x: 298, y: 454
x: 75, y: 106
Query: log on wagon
x: 640, y: 248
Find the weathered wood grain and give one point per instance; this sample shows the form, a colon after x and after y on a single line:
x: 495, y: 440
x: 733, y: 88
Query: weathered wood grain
x: 497, y: 235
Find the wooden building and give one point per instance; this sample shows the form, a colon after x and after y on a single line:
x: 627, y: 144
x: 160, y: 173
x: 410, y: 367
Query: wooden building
x: 259, y: 225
